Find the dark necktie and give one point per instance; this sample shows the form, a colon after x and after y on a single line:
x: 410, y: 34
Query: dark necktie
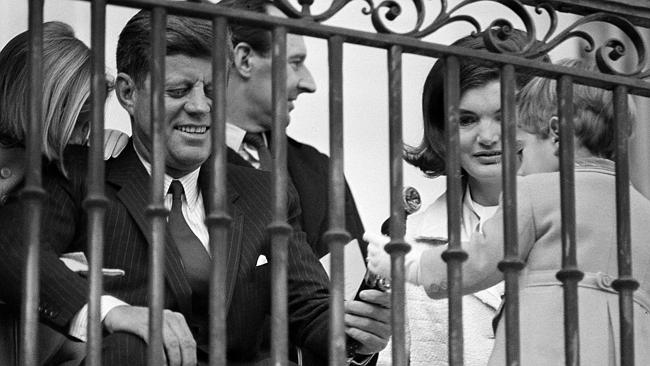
x: 194, y: 256
x: 257, y: 141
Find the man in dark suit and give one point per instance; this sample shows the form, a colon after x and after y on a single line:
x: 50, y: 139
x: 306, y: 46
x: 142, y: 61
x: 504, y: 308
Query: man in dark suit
x: 250, y: 111
x: 128, y: 234
x: 249, y: 123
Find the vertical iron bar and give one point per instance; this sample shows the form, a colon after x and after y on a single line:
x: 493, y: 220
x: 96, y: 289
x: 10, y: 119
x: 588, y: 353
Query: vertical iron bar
x: 454, y: 255
x: 397, y: 247
x: 96, y: 202
x: 156, y: 211
x: 218, y: 220
x: 511, y: 264
x: 570, y: 275
x: 279, y: 229
x: 625, y: 284
x: 336, y: 236
x: 33, y: 194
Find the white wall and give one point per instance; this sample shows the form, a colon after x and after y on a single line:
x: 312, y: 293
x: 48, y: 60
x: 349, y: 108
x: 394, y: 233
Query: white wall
x: 365, y: 91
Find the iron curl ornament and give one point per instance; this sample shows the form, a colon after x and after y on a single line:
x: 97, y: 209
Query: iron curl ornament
x: 305, y: 11
x: 383, y: 12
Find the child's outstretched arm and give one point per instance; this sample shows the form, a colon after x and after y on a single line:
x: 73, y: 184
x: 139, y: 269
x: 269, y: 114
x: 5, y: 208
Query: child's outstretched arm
x: 423, y: 264
x: 485, y: 250
x: 379, y: 260
x: 479, y: 270
x: 425, y: 267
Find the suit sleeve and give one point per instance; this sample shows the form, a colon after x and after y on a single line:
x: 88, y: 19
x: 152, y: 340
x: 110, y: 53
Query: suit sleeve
x: 308, y: 291
x: 353, y: 221
x: 62, y: 292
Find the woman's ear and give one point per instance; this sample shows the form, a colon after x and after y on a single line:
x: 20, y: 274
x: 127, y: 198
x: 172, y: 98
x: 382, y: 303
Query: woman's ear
x: 125, y: 91
x: 242, y: 54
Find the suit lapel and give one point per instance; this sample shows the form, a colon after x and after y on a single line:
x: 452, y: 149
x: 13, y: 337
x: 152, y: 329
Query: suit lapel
x: 134, y: 190
x: 232, y: 249
x: 234, y: 252
x: 234, y: 158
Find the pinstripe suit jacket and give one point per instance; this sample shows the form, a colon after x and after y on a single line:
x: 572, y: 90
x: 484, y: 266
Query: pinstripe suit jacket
x: 127, y: 240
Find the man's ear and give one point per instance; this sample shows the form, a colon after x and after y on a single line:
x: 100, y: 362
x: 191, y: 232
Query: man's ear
x: 125, y: 91
x: 242, y: 64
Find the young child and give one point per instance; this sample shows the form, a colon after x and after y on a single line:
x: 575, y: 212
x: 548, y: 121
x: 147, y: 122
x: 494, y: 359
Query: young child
x: 540, y: 242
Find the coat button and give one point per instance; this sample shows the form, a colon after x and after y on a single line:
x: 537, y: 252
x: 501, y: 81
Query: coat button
x: 5, y: 173
x: 607, y: 281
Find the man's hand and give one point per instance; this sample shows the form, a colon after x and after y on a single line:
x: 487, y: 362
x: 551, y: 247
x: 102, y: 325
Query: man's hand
x: 368, y: 321
x: 180, y: 347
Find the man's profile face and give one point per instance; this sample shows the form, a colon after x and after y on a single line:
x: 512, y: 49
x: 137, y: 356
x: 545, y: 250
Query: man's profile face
x: 187, y: 90
x: 299, y: 78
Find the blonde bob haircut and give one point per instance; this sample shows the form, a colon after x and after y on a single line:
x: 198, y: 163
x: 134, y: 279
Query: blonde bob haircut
x: 593, y: 111
x: 66, y: 87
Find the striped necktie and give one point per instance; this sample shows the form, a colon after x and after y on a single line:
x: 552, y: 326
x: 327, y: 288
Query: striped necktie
x: 257, y: 141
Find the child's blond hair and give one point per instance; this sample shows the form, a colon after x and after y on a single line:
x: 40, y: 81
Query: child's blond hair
x: 593, y: 111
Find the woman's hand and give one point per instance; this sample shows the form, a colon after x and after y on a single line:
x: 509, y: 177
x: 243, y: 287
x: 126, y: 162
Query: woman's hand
x: 114, y: 142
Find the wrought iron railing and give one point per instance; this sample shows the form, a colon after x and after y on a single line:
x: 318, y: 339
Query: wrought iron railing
x: 624, y: 15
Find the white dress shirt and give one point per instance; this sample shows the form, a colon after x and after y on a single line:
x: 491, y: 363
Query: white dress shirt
x: 193, y: 208
x: 235, y: 141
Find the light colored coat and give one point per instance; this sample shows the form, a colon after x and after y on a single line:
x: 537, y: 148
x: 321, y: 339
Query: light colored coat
x: 541, y: 304
x: 427, y: 318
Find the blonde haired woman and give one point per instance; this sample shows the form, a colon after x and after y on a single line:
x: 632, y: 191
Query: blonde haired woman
x: 66, y: 109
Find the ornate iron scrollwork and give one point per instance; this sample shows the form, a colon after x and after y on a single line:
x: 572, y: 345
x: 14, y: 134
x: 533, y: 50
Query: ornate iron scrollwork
x: 612, y: 49
x: 385, y: 11
x: 305, y: 11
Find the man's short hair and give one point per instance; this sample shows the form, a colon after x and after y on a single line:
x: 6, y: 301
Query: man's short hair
x: 593, y: 111
x: 184, y: 35
x: 258, y: 38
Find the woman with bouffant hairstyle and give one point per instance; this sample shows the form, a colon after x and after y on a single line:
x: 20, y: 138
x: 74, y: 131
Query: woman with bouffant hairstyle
x: 480, y: 160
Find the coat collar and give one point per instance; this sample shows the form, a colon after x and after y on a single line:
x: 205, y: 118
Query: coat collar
x: 228, y: 251
x: 595, y: 164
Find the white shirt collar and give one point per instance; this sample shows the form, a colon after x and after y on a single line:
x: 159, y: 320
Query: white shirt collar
x: 235, y: 141
x: 189, y: 181
x: 234, y: 136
